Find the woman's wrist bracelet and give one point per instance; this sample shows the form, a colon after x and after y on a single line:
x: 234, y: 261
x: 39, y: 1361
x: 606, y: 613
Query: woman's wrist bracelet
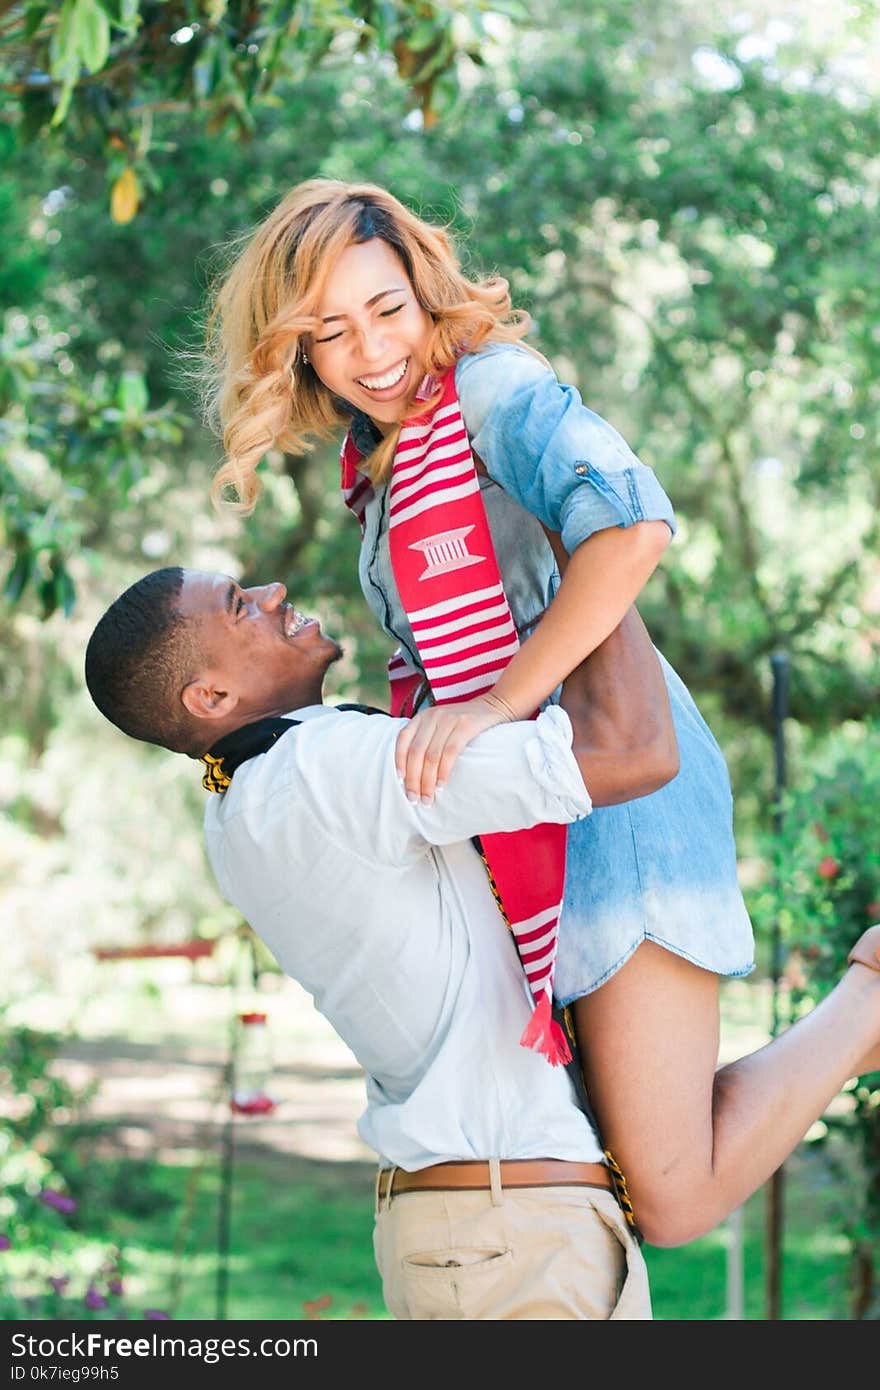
x: 501, y: 705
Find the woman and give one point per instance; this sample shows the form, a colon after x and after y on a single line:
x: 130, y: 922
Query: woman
x: 464, y: 457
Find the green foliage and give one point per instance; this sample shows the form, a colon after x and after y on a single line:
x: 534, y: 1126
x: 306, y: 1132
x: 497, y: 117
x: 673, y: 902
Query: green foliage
x: 111, y: 69
x: 825, y: 892
x: 694, y: 255
x: 827, y: 854
x: 50, y: 1259
x: 74, y: 447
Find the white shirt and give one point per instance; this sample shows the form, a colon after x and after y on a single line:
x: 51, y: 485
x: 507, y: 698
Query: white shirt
x: 382, y: 910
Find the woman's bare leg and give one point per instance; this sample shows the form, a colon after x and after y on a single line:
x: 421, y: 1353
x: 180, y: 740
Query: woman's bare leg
x: 694, y: 1140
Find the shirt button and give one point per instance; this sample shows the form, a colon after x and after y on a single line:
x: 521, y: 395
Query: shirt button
x: 582, y: 469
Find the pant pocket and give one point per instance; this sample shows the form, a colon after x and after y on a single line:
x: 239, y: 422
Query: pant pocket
x: 450, y: 1284
x: 634, y: 1296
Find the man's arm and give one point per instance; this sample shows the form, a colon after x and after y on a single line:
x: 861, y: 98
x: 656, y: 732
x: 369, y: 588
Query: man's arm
x: 624, y: 738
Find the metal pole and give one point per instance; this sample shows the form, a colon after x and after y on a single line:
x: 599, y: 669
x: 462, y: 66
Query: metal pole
x: 224, y: 1208
x: 779, y: 664
x: 736, y: 1305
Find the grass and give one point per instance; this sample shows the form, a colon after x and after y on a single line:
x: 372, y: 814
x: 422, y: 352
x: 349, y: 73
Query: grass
x: 300, y: 1245
x: 300, y: 1215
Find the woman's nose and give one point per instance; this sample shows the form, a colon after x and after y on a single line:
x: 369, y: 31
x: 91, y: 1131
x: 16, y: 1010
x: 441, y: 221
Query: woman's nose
x: 372, y: 343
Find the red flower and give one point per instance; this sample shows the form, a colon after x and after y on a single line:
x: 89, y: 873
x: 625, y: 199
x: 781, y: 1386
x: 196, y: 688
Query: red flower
x: 873, y: 911
x: 828, y: 867
x: 314, y: 1307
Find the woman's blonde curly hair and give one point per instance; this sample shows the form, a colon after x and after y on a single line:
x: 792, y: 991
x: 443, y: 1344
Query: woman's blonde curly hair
x: 259, y: 392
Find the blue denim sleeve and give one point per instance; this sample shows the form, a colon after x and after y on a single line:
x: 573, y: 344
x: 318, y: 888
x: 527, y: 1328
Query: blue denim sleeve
x: 563, y: 463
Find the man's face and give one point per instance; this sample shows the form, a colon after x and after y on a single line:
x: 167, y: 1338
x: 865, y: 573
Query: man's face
x: 370, y: 349
x: 256, y: 644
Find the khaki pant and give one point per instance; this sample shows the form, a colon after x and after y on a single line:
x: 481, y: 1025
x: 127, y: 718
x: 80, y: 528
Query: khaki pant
x: 516, y: 1253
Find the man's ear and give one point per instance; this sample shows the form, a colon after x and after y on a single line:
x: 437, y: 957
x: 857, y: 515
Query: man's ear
x: 206, y: 697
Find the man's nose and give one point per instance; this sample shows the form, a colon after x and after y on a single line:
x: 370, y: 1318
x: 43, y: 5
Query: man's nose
x: 269, y: 596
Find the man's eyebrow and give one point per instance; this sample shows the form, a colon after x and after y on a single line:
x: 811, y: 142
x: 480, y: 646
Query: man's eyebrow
x: 395, y: 289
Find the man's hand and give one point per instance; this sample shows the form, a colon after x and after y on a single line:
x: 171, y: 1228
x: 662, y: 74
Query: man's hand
x: 432, y: 740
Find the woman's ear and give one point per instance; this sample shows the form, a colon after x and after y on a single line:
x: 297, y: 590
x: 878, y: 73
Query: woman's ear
x: 206, y: 697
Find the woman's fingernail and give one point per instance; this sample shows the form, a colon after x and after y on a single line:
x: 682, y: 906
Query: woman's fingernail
x: 412, y: 798
x: 427, y: 800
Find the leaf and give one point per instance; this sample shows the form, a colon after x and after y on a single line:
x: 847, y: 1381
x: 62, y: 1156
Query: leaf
x: 62, y: 48
x: 129, y: 15
x: 65, y: 590
x: 18, y: 576
x: 92, y: 30
x: 132, y: 394
x: 33, y: 19
x: 48, y: 596
x: 424, y: 34
x: 63, y: 105
x: 125, y: 197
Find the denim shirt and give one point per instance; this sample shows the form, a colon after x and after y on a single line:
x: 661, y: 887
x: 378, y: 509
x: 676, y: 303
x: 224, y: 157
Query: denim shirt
x: 660, y: 868
x: 550, y: 460
x: 562, y: 462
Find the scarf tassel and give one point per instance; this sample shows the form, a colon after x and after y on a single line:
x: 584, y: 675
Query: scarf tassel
x: 544, y: 1035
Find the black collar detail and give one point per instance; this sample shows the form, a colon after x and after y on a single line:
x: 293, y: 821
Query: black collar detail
x: 229, y: 752
x: 236, y: 748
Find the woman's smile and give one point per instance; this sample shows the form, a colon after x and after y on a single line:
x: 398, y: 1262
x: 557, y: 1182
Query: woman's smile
x: 374, y: 334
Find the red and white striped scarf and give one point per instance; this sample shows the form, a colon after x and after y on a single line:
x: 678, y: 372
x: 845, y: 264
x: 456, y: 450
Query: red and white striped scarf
x: 450, y: 586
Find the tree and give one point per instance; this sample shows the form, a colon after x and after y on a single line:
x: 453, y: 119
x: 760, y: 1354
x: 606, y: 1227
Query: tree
x: 693, y: 251
x: 115, y: 69
x: 106, y: 83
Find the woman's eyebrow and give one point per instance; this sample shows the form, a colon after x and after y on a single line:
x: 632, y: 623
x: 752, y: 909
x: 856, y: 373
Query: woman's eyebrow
x: 394, y: 289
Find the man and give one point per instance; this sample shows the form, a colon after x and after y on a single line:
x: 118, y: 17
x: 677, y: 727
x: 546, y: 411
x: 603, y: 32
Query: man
x: 493, y: 1197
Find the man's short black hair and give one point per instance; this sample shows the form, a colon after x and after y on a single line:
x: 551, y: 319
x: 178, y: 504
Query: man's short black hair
x: 139, y: 658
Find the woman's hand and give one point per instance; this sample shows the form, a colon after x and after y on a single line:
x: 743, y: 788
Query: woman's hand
x: 432, y: 740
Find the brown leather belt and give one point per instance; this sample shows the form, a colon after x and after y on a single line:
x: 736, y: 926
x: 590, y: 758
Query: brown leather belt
x: 515, y: 1172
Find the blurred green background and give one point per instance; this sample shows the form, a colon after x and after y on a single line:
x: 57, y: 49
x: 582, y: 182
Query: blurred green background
x: 686, y: 202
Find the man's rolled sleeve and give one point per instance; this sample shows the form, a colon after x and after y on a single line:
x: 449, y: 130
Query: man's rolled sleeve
x: 340, y: 769
x: 510, y: 778
x: 562, y: 462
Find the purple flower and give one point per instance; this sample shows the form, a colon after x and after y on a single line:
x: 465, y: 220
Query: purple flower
x: 94, y: 1299
x: 156, y: 1315
x: 5, y: 1243
x: 57, y: 1200
x: 59, y: 1282
x: 114, y: 1286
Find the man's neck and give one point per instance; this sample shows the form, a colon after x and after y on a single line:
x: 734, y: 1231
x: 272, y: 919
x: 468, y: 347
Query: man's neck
x: 306, y: 699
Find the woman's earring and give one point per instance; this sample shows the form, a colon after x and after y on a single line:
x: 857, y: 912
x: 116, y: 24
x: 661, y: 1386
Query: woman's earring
x: 305, y: 357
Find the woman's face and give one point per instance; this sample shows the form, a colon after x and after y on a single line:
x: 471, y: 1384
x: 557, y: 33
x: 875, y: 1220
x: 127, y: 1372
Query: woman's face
x: 371, y: 347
